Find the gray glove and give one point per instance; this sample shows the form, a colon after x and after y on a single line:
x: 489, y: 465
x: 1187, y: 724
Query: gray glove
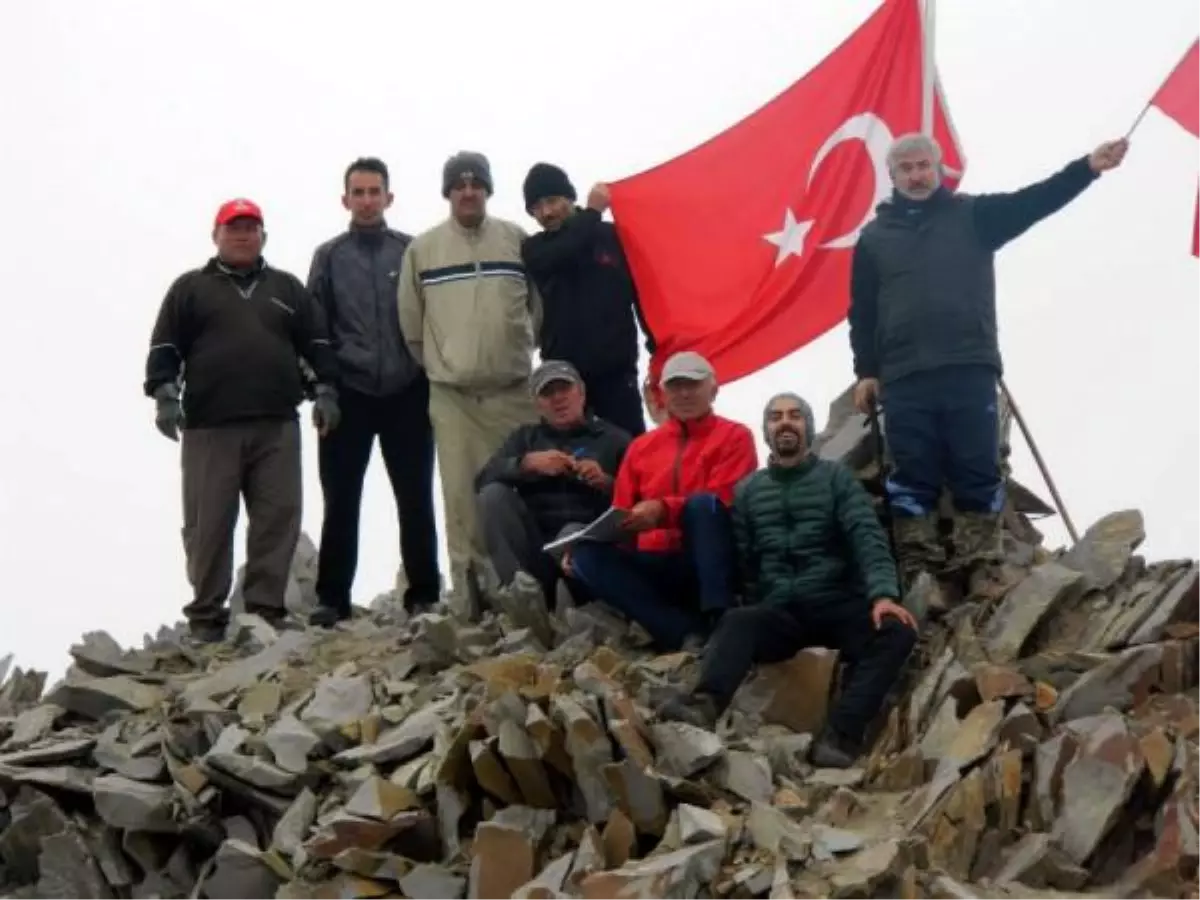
x: 326, y: 412
x: 168, y: 414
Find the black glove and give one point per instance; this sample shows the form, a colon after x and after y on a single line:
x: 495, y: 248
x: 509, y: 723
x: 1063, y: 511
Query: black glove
x: 168, y: 414
x: 326, y: 412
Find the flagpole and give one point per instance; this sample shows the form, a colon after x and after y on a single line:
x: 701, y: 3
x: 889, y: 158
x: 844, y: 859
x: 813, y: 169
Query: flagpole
x: 1150, y: 102
x: 928, y: 66
x: 928, y: 90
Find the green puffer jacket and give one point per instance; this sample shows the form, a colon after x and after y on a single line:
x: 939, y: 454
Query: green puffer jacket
x: 809, y: 534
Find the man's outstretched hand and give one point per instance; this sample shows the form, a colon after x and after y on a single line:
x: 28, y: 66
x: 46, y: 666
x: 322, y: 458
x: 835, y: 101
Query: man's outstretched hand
x: 886, y: 607
x: 1108, y: 155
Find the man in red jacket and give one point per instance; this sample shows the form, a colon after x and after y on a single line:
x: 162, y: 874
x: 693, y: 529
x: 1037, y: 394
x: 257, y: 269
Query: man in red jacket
x: 676, y: 484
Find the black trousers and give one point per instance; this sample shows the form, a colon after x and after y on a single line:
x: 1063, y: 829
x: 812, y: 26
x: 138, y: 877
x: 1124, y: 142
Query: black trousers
x: 749, y: 635
x: 616, y: 398
x: 401, y: 422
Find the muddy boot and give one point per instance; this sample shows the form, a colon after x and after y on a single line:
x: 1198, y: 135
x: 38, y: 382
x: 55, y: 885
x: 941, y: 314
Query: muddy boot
x: 920, y: 553
x: 978, y: 554
x: 833, y: 751
x: 200, y: 634
x: 694, y: 708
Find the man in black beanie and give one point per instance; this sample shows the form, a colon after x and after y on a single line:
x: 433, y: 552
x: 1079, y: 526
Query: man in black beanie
x: 590, y: 301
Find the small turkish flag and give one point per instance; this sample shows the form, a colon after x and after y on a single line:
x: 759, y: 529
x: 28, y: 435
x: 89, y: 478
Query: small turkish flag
x: 1179, y: 98
x: 741, y: 247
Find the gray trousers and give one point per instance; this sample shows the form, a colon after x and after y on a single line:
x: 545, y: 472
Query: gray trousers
x: 514, y: 539
x: 259, y: 461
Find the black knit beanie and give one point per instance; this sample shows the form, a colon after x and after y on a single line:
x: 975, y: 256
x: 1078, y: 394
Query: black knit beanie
x: 546, y: 180
x: 463, y: 163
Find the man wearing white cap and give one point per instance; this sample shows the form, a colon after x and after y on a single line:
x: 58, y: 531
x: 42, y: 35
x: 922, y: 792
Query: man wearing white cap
x: 676, y: 483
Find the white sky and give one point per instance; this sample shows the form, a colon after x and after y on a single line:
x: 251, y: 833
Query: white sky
x: 127, y: 122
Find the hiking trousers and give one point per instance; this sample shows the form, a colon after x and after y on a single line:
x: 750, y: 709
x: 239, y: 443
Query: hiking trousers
x: 258, y: 461
x: 468, y: 427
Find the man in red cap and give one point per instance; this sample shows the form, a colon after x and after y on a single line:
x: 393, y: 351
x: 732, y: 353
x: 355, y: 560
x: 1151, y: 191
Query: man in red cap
x: 224, y: 368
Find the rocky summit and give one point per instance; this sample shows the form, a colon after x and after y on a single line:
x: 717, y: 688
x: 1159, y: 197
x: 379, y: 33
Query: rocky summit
x: 1042, y: 743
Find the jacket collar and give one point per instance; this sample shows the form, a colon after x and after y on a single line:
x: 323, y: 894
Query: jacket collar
x: 701, y: 427
x: 802, y: 468
x: 462, y: 230
x: 589, y: 425
x: 215, y: 266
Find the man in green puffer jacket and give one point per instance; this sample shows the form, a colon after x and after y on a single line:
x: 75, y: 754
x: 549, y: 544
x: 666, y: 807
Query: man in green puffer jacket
x: 816, y: 572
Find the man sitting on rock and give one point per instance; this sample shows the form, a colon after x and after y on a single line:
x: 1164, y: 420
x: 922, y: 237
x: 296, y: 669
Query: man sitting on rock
x: 676, y: 484
x: 544, y: 479
x: 816, y: 571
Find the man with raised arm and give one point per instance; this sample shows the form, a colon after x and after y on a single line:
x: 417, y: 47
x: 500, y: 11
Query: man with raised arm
x: 923, y: 332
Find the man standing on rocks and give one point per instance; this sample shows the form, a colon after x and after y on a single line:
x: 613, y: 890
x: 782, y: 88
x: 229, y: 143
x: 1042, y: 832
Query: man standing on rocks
x: 676, y: 483
x: 546, y: 478
x: 923, y: 333
x: 470, y: 316
x: 590, y: 299
x: 384, y: 394
x: 234, y: 332
x: 816, y: 571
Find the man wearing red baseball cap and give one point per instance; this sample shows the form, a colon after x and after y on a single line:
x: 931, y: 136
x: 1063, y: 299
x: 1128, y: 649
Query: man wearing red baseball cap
x: 225, y: 368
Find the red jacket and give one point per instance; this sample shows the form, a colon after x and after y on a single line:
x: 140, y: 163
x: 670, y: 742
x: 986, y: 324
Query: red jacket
x: 678, y: 459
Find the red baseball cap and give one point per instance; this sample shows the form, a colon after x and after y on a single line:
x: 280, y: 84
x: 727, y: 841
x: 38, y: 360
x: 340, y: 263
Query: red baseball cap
x: 239, y: 208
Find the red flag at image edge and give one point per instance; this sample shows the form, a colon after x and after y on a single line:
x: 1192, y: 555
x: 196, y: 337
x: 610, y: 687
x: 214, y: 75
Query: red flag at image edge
x: 741, y: 247
x: 1179, y: 98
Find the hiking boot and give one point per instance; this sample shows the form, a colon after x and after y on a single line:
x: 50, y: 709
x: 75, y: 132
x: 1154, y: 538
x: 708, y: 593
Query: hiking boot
x: 693, y: 707
x: 328, y: 616
x: 203, y: 633
x: 977, y: 540
x: 833, y: 751
x: 921, y: 559
x: 918, y: 546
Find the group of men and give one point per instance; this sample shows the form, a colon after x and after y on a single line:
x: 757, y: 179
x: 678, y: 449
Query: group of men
x: 428, y: 343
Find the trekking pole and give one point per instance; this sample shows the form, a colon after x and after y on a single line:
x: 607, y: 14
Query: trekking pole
x: 880, y: 449
x: 1041, y: 463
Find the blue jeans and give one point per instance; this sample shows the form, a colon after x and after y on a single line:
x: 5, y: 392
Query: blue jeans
x: 943, y: 428
x: 674, y: 594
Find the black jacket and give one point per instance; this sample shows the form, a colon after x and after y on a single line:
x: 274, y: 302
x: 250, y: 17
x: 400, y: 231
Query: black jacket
x: 354, y: 278
x: 923, y: 283
x: 588, y: 295
x: 237, y: 339
x: 561, y: 500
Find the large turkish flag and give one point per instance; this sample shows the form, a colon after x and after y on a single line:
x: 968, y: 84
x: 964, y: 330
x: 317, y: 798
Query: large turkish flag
x: 740, y: 248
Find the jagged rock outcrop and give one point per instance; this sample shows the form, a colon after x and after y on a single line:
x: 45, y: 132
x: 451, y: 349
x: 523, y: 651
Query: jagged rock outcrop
x: 1043, y: 743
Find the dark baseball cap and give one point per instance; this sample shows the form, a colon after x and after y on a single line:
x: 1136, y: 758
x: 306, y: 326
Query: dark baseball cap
x: 550, y: 371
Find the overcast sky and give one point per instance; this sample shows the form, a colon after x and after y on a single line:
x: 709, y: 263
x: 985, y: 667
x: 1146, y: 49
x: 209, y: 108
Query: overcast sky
x: 127, y: 122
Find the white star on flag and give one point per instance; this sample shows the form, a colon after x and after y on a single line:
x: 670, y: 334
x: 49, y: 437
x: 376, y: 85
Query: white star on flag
x: 790, y: 240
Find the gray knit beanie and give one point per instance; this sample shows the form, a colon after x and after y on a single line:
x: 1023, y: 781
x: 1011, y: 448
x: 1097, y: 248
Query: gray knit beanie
x: 805, y: 410
x: 463, y: 163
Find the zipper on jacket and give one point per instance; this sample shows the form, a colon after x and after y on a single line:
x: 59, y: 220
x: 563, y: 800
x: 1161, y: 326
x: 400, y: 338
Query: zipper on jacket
x: 677, y: 469
x: 373, y: 256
